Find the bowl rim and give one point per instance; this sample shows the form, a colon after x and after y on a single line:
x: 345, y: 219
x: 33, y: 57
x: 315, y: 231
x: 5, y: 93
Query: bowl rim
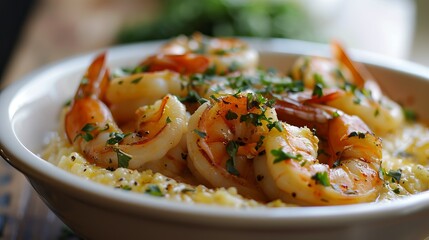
x: 16, y: 154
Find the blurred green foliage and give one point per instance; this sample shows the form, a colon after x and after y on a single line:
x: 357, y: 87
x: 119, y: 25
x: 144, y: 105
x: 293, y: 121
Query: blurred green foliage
x: 255, y: 18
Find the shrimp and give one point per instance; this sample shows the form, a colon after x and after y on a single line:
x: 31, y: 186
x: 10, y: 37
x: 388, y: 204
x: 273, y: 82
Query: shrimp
x: 224, y: 137
x: 226, y: 55
x: 91, y: 128
x: 294, y: 170
x: 357, y: 92
x: 126, y: 94
x: 185, y: 64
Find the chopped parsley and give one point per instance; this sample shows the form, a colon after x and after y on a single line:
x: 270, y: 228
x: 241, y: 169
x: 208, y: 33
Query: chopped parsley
x: 200, y: 133
x: 126, y: 187
x: 168, y: 120
x: 154, y: 190
x: 321, y: 178
x: 395, y: 175
x: 280, y: 155
x: 115, y: 138
x: 230, y: 115
x: 231, y: 149
x: 409, y: 114
x: 276, y: 124
x: 335, y: 114
x: 137, y: 80
x: 86, y: 132
x: 317, y: 90
x: 123, y: 158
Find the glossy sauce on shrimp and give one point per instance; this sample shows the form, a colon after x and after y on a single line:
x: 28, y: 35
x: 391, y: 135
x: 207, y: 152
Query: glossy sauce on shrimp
x: 199, y: 111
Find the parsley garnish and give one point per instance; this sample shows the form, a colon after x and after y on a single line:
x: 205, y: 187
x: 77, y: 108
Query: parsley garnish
x: 115, y: 138
x: 123, y: 158
x: 168, y: 120
x: 231, y: 149
x: 277, y: 125
x: 137, y: 80
x: 280, y: 155
x: 409, y: 114
x: 126, y: 187
x: 200, y: 133
x: 154, y: 190
x: 87, y: 129
x: 321, y: 178
x: 318, y: 90
x: 395, y: 175
x: 230, y: 115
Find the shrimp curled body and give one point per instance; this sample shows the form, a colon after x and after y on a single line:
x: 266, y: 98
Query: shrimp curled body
x: 92, y: 129
x: 222, y: 144
x: 294, y: 171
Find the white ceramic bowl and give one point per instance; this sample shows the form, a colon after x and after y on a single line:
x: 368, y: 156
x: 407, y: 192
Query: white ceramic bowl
x: 29, y: 111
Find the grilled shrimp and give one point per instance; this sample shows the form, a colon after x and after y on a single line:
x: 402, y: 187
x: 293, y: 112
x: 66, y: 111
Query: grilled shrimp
x: 91, y: 128
x: 223, y: 139
x: 357, y: 92
x: 341, y: 168
x: 226, y: 55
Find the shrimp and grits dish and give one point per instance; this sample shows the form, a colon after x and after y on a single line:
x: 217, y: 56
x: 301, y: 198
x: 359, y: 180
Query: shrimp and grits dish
x: 201, y: 122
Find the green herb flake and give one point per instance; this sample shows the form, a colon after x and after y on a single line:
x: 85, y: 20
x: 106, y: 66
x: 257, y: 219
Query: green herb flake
x: 115, y: 138
x: 397, y: 191
x: 230, y: 167
x: 280, y: 155
x: 89, y: 127
x: 318, y: 90
x: 260, y: 142
x: 86, y: 136
x: 409, y: 114
x: 154, y: 190
x: 214, y: 98
x: 126, y: 187
x: 67, y: 103
x: 200, y: 133
x: 335, y: 114
x: 231, y: 149
x: 137, y: 80
x: 277, y: 125
x: 168, y: 120
x: 395, y: 175
x: 318, y: 79
x: 321, y: 178
x: 357, y: 101
x: 376, y: 112
x: 230, y: 115
x: 123, y: 158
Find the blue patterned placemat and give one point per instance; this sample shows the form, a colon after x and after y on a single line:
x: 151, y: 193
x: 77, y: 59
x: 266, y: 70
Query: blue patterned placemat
x: 22, y: 214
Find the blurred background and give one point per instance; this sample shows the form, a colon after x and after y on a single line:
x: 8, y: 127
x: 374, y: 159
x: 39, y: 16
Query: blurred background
x: 36, y: 33
x: 39, y: 32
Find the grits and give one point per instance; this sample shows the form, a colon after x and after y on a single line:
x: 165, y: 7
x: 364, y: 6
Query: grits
x: 60, y: 153
x: 407, y: 150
